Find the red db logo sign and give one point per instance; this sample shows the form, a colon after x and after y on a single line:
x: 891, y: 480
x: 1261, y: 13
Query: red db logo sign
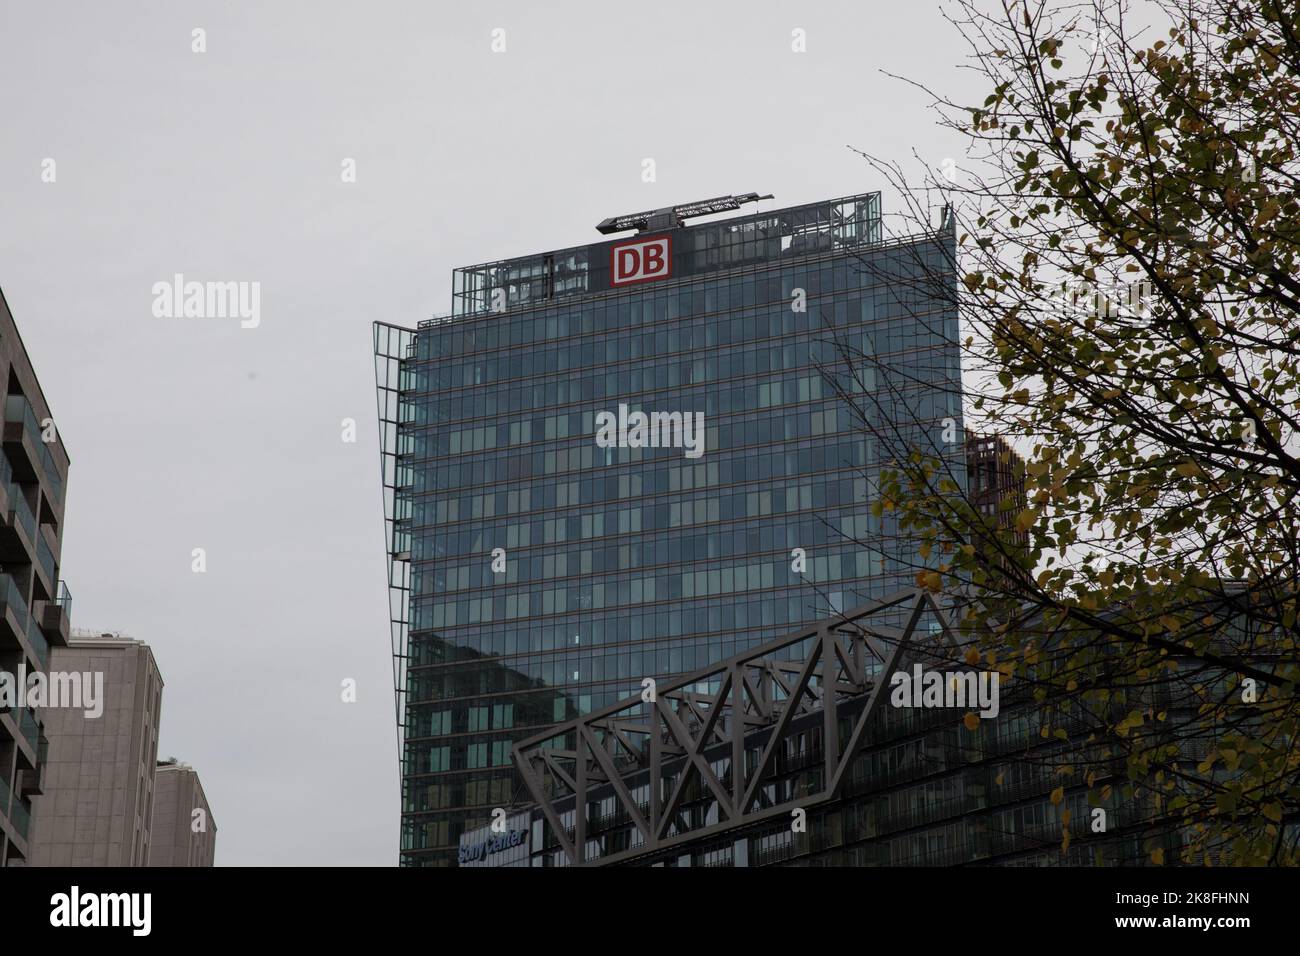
x: 641, y: 261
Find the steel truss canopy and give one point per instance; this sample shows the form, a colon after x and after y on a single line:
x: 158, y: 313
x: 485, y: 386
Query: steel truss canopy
x: 720, y: 732
x: 670, y: 217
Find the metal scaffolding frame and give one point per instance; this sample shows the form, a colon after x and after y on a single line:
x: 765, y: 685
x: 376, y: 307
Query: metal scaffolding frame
x: 670, y: 217
x: 658, y: 742
x: 393, y: 344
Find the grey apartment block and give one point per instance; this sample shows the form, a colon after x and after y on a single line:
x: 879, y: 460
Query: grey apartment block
x: 181, y: 836
x: 98, y: 800
x: 35, y: 606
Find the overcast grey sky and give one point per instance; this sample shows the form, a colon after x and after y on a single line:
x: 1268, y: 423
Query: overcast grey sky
x: 225, y: 166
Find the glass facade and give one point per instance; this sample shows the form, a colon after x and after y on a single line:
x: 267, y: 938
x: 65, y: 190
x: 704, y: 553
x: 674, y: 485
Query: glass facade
x: 538, y: 575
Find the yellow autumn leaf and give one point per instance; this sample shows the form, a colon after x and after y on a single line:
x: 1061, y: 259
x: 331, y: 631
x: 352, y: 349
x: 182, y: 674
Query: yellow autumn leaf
x: 930, y: 580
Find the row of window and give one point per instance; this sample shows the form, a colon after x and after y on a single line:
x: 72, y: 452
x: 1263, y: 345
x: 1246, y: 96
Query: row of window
x: 604, y: 566
x: 717, y: 514
x: 670, y: 640
x: 739, y: 401
x: 665, y: 621
x: 440, y: 612
x: 517, y: 383
x: 705, y: 527
x: 543, y: 473
x: 583, y: 547
x: 724, y: 369
x: 432, y: 758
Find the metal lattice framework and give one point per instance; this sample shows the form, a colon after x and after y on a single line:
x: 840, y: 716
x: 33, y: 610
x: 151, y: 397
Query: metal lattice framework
x: 656, y: 743
x: 393, y: 344
x: 672, y: 216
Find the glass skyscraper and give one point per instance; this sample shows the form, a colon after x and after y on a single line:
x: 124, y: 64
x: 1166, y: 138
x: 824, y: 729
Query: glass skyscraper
x: 537, y: 573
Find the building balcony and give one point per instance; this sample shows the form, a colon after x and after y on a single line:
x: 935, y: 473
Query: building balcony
x: 29, y: 454
x: 31, y: 783
x: 32, y: 749
x: 56, y: 616
x: 19, y: 628
x: 18, y: 527
x: 39, y: 644
x: 47, y: 576
x: 14, y: 815
x: 30, y: 731
x: 20, y: 818
x: 13, y: 613
x: 18, y: 723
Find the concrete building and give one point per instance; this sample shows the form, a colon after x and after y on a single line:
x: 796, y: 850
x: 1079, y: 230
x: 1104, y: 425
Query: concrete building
x: 97, y: 805
x: 995, y: 472
x: 184, y: 833
x: 35, y: 605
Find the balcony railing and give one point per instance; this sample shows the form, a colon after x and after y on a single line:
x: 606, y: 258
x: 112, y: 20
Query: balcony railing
x: 45, y: 556
x: 18, y: 409
x: 55, y: 616
x: 20, y: 817
x: 22, y: 511
x: 40, y: 645
x: 12, y: 596
x: 33, y: 780
x: 30, y: 729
